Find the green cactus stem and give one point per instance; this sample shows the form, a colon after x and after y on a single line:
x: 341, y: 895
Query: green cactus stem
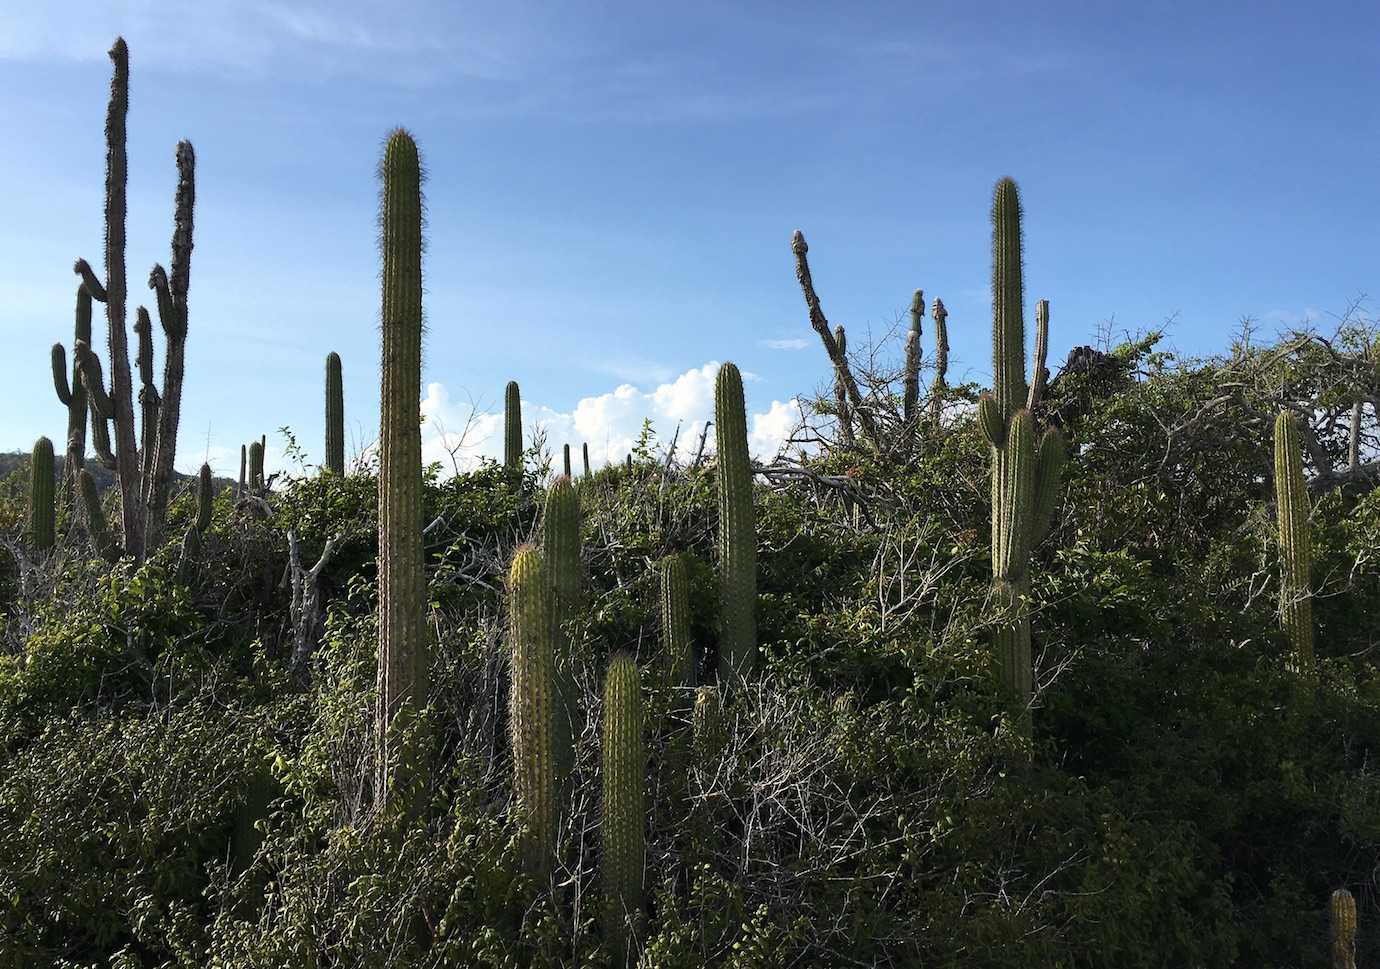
x: 841, y: 409
x: 533, y: 703
x: 403, y: 661
x: 629, y: 462
x: 512, y: 426
x: 561, y: 551
x: 1342, y: 919
x: 625, y: 772
x: 203, y: 498
x: 256, y: 467
x: 677, y: 650
x: 42, y: 497
x: 910, y: 396
x: 1295, y: 541
x: 585, y: 448
x: 708, y: 728
x: 737, y: 530
x: 96, y: 527
x: 566, y: 456
x: 941, y: 360
x: 1039, y: 374
x: 239, y: 490
x: 335, y: 415
x: 72, y: 393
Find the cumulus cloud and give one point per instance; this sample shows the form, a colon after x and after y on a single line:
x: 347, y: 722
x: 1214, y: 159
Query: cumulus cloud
x: 457, y: 433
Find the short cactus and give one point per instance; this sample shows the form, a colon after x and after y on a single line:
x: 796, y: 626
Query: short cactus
x: 403, y: 661
x: 625, y: 772
x: 533, y: 703
x: 512, y: 426
x: 97, y: 529
x: 335, y: 415
x: 708, y: 727
x: 1342, y: 918
x: 737, y: 530
x: 203, y: 498
x: 1295, y: 541
x: 42, y: 497
x: 677, y: 651
x: 72, y: 393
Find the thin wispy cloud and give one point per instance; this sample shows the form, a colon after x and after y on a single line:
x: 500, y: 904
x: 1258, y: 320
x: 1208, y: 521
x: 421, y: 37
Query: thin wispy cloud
x: 794, y: 343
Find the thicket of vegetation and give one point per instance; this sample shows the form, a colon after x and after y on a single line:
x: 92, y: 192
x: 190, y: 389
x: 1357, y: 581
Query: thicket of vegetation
x: 858, y: 706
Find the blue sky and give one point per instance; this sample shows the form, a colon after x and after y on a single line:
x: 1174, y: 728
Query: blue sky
x: 613, y: 188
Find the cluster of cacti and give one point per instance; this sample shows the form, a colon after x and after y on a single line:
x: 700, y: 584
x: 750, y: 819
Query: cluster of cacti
x: 1342, y: 919
x: 561, y: 548
x: 1295, y: 541
x: 512, y: 426
x: 737, y: 530
x: 625, y: 767
x: 534, y: 707
x: 42, y: 497
x: 910, y: 380
x: 403, y: 660
x: 1025, y: 476
x: 142, y: 458
x: 335, y: 415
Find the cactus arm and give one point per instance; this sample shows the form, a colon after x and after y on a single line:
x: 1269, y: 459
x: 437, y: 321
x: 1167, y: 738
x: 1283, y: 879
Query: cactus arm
x: 1008, y: 300
x: 941, y: 359
x: 102, y: 405
x: 149, y: 405
x: 96, y: 527
x: 1050, y: 458
x: 88, y: 279
x: 533, y: 703
x: 845, y: 419
x: 1038, y: 373
x: 624, y: 821
x: 737, y: 530
x: 403, y: 658
x: 59, y: 362
x: 910, y: 398
x: 1295, y: 540
x: 990, y: 420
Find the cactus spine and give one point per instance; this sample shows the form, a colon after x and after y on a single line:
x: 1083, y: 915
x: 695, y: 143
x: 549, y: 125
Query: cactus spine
x: 941, y: 359
x: 42, y: 497
x: 678, y: 654
x: 561, y: 550
x: 1295, y: 541
x: 845, y: 416
x: 335, y: 415
x: 73, y: 394
x: 625, y: 757
x: 1025, y: 479
x: 533, y: 707
x: 910, y: 398
x: 143, y: 466
x: 737, y: 530
x: 402, y: 658
x: 512, y: 426
x: 1342, y: 912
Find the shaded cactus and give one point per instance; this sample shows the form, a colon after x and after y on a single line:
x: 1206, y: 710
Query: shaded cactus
x: 941, y: 360
x: 403, y: 663
x: 1342, y: 919
x: 625, y: 772
x: 910, y: 381
x: 845, y: 416
x: 203, y: 498
x: 585, y: 448
x: 566, y: 456
x: 677, y: 650
x: 1025, y: 479
x: 533, y: 706
x: 512, y: 426
x: 335, y: 415
x: 737, y: 530
x: 1295, y: 541
x: 42, y: 497
x: 561, y: 550
x: 256, y: 467
x: 239, y: 491
x: 97, y: 529
x: 708, y: 727
x: 629, y: 463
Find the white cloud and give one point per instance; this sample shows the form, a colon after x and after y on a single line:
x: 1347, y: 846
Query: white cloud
x: 794, y: 344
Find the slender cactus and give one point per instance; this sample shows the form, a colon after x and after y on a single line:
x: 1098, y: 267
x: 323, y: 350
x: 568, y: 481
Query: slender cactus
x: 96, y: 527
x: 1025, y: 479
x: 73, y: 394
x: 737, y: 530
x: 1038, y: 373
x: 256, y: 467
x: 239, y: 491
x: 585, y: 449
x: 1342, y: 918
x: 910, y: 399
x: 533, y: 706
x: 512, y: 426
x: 677, y: 651
x: 203, y: 498
x: 42, y: 497
x: 841, y: 408
x: 625, y: 772
x: 566, y: 455
x: 335, y: 415
x: 403, y: 660
x: 561, y: 550
x: 1295, y: 541
x: 941, y: 360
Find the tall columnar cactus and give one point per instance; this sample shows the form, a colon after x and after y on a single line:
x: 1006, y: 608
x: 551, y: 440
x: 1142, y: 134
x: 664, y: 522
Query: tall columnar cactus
x: 585, y: 448
x: 335, y: 415
x: 625, y: 772
x: 910, y: 397
x: 677, y: 650
x: 1342, y: 918
x: 1295, y: 541
x: 841, y: 408
x: 96, y: 527
x: 403, y: 661
x: 203, y: 498
x: 561, y: 549
x: 512, y: 426
x: 256, y: 467
x: 737, y: 530
x: 1025, y: 477
x: 239, y: 491
x: 42, y: 496
x: 73, y: 393
x: 533, y: 705
x: 566, y: 456
x: 941, y: 360
x: 143, y: 460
